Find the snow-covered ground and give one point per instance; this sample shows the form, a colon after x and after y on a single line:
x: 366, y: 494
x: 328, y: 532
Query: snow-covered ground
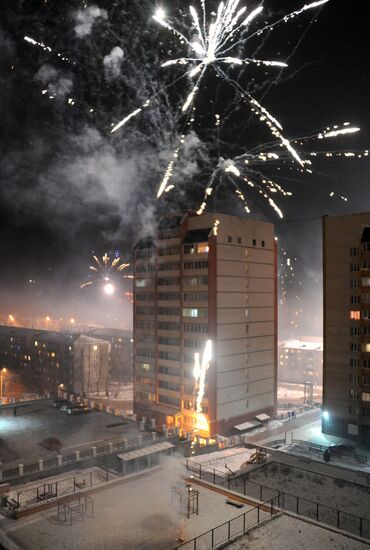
x: 300, y: 481
x: 287, y: 533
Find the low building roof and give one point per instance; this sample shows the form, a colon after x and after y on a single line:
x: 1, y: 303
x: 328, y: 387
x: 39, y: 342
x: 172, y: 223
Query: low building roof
x: 150, y: 450
x: 247, y: 425
x: 262, y: 417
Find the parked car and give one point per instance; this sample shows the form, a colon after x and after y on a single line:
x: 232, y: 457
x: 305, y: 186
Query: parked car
x: 70, y: 406
x: 58, y: 403
x: 79, y: 410
x: 341, y: 450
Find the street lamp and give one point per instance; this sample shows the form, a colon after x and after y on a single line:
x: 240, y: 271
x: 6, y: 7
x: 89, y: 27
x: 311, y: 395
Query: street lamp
x: 2, y: 372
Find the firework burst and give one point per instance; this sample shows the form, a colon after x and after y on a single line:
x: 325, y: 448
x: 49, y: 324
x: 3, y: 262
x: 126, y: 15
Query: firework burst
x: 106, y: 271
x: 247, y: 172
x: 214, y: 46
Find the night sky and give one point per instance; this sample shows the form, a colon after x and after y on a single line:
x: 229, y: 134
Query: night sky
x: 69, y: 187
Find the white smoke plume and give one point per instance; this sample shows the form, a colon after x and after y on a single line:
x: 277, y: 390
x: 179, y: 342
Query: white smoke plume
x: 55, y: 85
x: 86, y: 18
x: 112, y: 63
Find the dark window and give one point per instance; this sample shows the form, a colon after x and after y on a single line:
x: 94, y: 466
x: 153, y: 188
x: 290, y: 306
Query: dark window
x: 229, y: 239
x: 254, y: 242
x: 263, y: 243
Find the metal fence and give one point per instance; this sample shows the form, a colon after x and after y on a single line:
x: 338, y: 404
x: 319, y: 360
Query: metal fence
x: 62, y: 487
x: 322, y: 513
x: 71, y: 458
x: 232, y: 529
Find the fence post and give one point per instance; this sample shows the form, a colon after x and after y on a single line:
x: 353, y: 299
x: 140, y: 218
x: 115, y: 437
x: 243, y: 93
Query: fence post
x: 244, y: 487
x: 244, y: 522
x: 272, y: 506
x: 20, y: 469
x: 228, y: 531
x: 77, y: 453
x: 317, y: 512
x: 338, y: 519
x: 297, y: 506
x: 258, y: 514
x: 214, y: 476
x: 261, y: 489
x: 91, y: 480
x: 212, y: 539
x: 200, y: 471
x: 110, y: 447
x: 360, y: 527
x: 60, y: 459
x: 94, y: 452
x: 41, y: 465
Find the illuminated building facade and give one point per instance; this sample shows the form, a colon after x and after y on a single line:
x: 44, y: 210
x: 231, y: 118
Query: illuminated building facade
x: 205, y: 284
x: 346, y: 391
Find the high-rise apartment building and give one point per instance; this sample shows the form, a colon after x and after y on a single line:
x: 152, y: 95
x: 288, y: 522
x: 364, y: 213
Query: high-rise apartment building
x: 346, y: 391
x: 205, y: 285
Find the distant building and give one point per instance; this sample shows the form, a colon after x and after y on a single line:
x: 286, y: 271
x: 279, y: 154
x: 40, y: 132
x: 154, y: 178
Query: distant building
x: 51, y: 361
x: 121, y: 356
x: 201, y: 283
x: 301, y: 361
x: 346, y: 390
x: 91, y: 364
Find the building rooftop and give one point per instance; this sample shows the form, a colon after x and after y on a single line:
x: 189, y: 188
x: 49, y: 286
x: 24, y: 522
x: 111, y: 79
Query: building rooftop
x: 302, y: 345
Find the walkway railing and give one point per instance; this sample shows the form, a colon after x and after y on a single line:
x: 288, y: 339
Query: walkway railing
x: 232, y: 529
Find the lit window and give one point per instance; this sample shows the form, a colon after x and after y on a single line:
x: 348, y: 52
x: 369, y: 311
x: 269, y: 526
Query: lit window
x: 366, y: 348
x: 202, y: 248
x: 95, y: 348
x: 355, y: 315
x: 36, y: 343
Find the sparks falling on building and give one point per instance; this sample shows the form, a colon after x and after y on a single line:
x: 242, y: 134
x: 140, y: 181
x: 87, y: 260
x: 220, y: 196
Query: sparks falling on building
x: 214, y: 46
x: 106, y: 271
x: 200, y: 371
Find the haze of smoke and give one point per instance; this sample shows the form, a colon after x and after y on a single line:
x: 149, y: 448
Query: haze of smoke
x: 112, y: 63
x: 86, y: 18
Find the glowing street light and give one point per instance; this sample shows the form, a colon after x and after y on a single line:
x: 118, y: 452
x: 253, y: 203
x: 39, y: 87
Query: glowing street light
x: 326, y: 415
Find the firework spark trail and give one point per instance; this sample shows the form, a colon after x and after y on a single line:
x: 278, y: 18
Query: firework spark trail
x: 48, y: 49
x: 106, y: 270
x: 243, y: 168
x: 199, y: 373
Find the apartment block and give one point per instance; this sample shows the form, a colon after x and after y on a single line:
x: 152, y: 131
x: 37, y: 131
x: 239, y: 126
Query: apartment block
x: 48, y: 361
x: 300, y: 361
x: 205, y: 286
x: 346, y: 391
